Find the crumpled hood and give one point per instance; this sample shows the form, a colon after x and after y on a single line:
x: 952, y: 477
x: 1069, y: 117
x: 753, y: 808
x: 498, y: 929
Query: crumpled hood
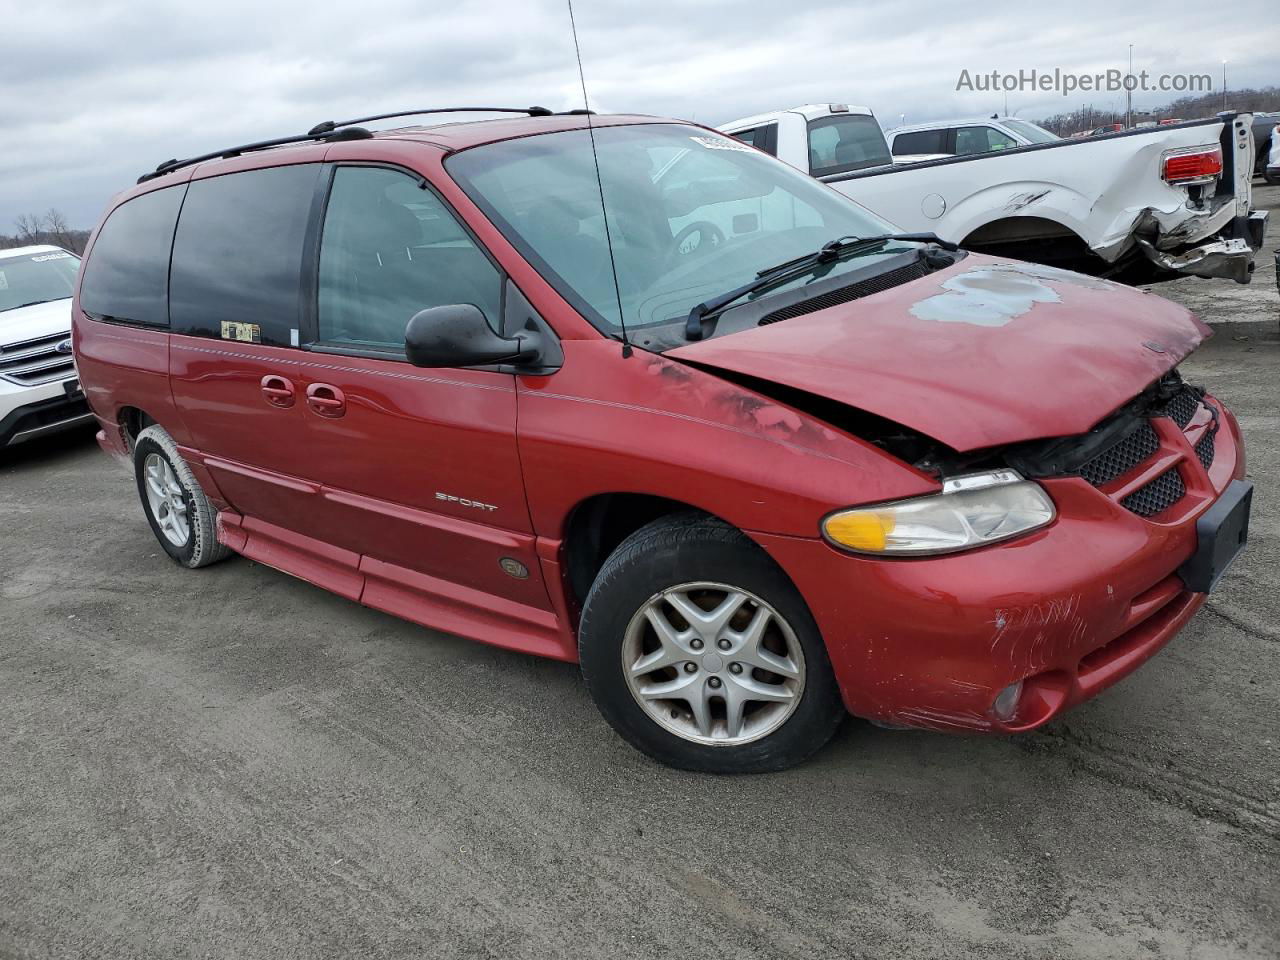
x: 986, y: 352
x: 37, y: 320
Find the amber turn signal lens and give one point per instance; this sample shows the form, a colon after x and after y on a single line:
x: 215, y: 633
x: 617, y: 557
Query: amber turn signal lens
x: 861, y: 531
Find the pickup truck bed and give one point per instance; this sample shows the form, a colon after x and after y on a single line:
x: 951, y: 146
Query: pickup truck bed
x: 1099, y: 205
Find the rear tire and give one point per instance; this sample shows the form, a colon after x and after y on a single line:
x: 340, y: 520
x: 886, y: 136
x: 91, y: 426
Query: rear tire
x: 753, y: 690
x: 181, y: 516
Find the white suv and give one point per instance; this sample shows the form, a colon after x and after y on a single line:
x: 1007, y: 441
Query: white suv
x: 39, y: 390
x: 951, y: 138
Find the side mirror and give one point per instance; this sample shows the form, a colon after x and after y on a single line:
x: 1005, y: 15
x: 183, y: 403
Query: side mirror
x: 458, y: 335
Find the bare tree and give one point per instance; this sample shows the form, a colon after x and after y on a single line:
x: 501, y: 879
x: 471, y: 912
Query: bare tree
x: 1184, y: 108
x: 28, y: 225
x: 56, y: 229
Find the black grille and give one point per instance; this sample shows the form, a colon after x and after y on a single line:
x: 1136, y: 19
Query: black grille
x: 1183, y: 406
x: 1122, y: 456
x: 855, y: 291
x: 45, y: 414
x: 1205, y: 449
x: 1157, y: 496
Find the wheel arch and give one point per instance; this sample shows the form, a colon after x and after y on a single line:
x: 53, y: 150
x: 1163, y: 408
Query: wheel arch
x: 1051, y: 239
x: 132, y: 421
x: 597, y: 525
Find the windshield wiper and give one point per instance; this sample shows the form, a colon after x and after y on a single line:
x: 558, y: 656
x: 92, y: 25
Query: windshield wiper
x: 828, y: 253
x: 841, y: 246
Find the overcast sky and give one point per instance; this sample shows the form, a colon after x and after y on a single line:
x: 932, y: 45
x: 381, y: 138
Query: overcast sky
x: 95, y: 93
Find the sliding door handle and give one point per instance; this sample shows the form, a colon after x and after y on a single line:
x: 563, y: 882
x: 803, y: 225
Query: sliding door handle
x: 277, y: 391
x: 326, y: 400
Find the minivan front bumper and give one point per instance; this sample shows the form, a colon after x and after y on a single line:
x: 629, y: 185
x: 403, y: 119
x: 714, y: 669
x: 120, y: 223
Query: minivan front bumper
x: 1053, y: 618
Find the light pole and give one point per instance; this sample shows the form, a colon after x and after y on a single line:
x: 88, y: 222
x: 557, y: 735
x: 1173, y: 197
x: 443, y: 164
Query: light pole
x: 1128, y: 92
x: 1224, y: 86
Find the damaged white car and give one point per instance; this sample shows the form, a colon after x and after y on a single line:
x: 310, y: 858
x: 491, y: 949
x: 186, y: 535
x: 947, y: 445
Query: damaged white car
x: 1137, y: 206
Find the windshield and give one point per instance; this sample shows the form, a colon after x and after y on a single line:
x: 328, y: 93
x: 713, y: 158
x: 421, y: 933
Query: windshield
x: 1030, y: 132
x: 36, y: 278
x: 692, y: 214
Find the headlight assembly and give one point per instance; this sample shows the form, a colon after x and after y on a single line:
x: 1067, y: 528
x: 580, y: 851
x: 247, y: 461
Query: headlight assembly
x: 971, y: 511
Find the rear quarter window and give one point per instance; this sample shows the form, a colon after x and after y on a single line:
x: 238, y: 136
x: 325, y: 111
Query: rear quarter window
x: 920, y: 141
x: 238, y: 255
x: 127, y: 274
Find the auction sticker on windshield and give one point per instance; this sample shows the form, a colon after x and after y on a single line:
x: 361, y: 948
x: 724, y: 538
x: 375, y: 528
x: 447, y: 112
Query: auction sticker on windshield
x: 715, y: 143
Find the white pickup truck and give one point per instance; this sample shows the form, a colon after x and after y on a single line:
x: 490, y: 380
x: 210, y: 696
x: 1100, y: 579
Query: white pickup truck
x: 1136, y: 206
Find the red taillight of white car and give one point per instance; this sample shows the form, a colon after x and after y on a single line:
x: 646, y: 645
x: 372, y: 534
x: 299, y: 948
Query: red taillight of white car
x: 1193, y: 165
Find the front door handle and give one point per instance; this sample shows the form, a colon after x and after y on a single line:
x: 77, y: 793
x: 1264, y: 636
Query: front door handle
x: 277, y: 391
x: 326, y: 400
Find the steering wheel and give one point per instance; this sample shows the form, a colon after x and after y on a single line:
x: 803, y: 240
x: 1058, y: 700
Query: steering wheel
x: 709, y: 238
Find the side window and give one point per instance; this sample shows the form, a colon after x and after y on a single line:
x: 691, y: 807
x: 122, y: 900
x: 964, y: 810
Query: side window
x: 846, y: 142
x: 390, y: 248
x: 998, y: 140
x: 238, y: 254
x: 127, y: 275
x: 981, y: 140
x: 762, y: 138
x: 920, y: 142
x: 971, y: 140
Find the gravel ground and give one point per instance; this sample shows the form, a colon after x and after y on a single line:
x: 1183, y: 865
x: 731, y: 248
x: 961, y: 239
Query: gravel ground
x: 232, y: 763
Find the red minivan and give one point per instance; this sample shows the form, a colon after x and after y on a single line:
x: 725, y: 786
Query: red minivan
x: 744, y: 454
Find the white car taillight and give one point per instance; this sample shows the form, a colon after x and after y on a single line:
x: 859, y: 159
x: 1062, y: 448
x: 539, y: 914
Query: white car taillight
x: 1192, y: 165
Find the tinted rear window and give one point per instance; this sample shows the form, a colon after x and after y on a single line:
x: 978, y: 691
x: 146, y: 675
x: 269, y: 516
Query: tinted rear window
x: 922, y: 141
x: 126, y: 276
x: 840, y: 144
x: 237, y: 256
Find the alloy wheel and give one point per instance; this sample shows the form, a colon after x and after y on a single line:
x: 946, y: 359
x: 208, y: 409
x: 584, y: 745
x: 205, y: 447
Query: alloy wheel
x: 167, y: 500
x: 713, y: 663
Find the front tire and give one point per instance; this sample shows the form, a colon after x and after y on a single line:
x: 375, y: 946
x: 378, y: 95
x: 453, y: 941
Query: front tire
x: 700, y: 652
x: 181, y: 516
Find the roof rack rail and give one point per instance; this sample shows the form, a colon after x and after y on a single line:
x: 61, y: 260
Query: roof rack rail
x: 349, y: 133
x: 330, y: 125
x: 336, y: 130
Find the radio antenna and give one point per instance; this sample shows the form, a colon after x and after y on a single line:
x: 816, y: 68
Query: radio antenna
x: 595, y: 157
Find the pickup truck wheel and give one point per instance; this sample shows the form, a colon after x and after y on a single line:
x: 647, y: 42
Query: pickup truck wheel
x: 700, y: 652
x: 181, y: 516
